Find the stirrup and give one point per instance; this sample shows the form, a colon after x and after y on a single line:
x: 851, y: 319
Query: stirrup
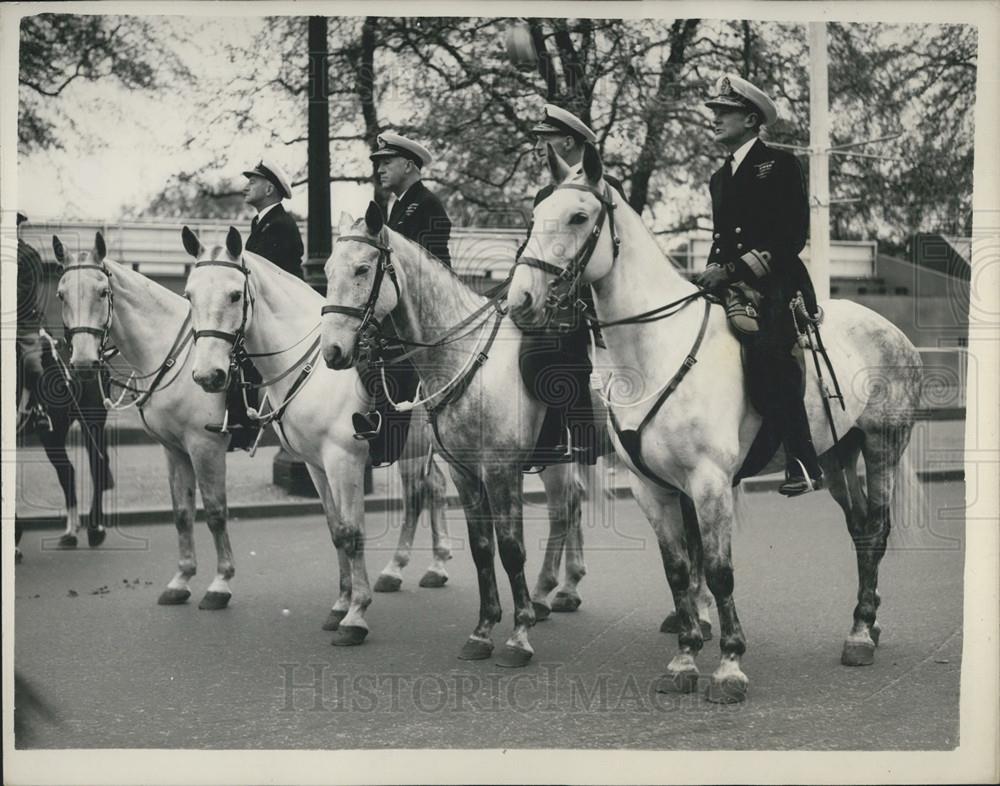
x: 362, y: 426
x: 796, y: 486
x: 219, y: 428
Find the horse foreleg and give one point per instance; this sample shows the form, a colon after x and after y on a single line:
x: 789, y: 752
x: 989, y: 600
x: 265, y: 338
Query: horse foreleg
x: 713, y: 500
x: 100, y: 476
x: 478, y: 519
x: 504, y: 485
x: 210, y: 469
x: 345, y: 513
x: 699, y: 587
x: 182, y: 495
x: 54, y: 444
x: 664, y: 515
x: 435, y: 492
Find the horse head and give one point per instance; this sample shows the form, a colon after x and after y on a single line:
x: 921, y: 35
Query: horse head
x: 569, y: 242
x: 87, y: 302
x: 357, y: 301
x: 218, y: 289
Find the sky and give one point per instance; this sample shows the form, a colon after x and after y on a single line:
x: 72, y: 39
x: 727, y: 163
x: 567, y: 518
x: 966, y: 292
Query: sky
x: 138, y: 142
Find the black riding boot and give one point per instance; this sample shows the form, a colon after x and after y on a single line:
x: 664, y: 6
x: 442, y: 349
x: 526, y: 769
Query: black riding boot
x: 802, y: 470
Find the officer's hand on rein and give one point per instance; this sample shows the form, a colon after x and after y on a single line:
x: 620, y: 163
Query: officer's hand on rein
x: 713, y: 277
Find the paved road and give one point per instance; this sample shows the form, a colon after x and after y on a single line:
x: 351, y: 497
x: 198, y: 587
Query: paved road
x: 120, y: 671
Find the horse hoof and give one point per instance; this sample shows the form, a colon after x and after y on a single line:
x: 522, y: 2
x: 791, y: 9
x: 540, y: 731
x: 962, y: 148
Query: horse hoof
x: 333, y: 619
x: 95, y: 537
x: 432, y: 580
x: 564, y: 602
x: 542, y: 611
x: 858, y: 652
x: 678, y: 682
x: 213, y: 601
x: 513, y: 657
x: 671, y: 624
x: 387, y: 583
x: 173, y: 597
x: 349, y: 636
x: 875, y: 632
x: 476, y: 649
x: 731, y: 689
x: 67, y: 542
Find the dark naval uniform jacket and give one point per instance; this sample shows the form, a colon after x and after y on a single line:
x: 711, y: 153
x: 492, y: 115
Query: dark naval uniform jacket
x: 276, y: 238
x: 419, y: 216
x: 761, y: 222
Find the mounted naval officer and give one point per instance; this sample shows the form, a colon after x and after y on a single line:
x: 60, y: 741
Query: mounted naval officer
x: 273, y: 233
x: 544, y: 350
x: 760, y: 214
x: 417, y: 214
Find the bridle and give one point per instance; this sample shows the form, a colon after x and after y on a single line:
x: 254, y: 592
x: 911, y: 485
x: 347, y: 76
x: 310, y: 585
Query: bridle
x: 384, y: 267
x: 564, y: 286
x: 103, y: 333
x: 237, y: 338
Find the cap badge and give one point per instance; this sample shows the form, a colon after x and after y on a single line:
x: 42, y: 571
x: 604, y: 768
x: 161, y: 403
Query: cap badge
x: 725, y: 86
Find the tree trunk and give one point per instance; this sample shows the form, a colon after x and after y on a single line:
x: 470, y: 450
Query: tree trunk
x: 681, y: 34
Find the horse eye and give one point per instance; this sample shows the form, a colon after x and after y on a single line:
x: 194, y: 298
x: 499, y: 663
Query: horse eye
x: 578, y: 218
x: 234, y: 297
x: 362, y: 270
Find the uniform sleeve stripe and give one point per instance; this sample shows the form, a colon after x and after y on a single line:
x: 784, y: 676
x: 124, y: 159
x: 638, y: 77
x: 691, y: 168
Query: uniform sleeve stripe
x: 758, y: 263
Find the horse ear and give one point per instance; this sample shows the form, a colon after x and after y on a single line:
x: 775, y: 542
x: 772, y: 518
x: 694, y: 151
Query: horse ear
x: 100, y: 249
x: 557, y: 166
x: 374, y: 219
x: 234, y: 243
x: 346, y: 222
x: 191, y: 243
x: 593, y: 167
x: 60, y: 252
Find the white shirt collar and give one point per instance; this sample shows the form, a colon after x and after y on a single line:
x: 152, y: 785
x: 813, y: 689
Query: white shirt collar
x: 741, y: 152
x: 264, y: 212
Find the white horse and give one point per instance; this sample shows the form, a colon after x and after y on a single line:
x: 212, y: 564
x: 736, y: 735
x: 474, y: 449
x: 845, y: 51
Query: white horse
x: 104, y: 302
x: 485, y: 421
x: 241, y: 299
x: 699, y: 435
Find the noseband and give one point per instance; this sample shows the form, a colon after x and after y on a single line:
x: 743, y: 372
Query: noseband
x: 384, y: 268
x: 566, y: 281
x: 238, y: 338
x: 102, y: 332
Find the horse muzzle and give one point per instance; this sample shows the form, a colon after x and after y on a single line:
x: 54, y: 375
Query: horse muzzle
x: 211, y: 381
x: 336, y: 358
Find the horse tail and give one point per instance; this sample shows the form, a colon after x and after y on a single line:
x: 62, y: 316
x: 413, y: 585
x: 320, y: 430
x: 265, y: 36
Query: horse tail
x: 909, y: 509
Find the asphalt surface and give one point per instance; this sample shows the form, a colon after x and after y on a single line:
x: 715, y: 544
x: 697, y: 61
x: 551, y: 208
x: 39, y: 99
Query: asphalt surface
x: 117, y: 671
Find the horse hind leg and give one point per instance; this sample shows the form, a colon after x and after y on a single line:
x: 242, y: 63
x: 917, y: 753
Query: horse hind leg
x: 391, y: 577
x: 870, y: 525
x: 182, y: 495
x: 435, y: 491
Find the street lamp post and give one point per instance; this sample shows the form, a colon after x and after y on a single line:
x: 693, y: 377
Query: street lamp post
x: 819, y: 162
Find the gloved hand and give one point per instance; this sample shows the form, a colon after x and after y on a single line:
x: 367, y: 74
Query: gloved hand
x: 713, y: 277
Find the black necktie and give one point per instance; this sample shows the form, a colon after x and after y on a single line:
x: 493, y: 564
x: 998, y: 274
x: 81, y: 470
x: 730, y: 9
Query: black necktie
x: 729, y: 165
x: 253, y: 224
